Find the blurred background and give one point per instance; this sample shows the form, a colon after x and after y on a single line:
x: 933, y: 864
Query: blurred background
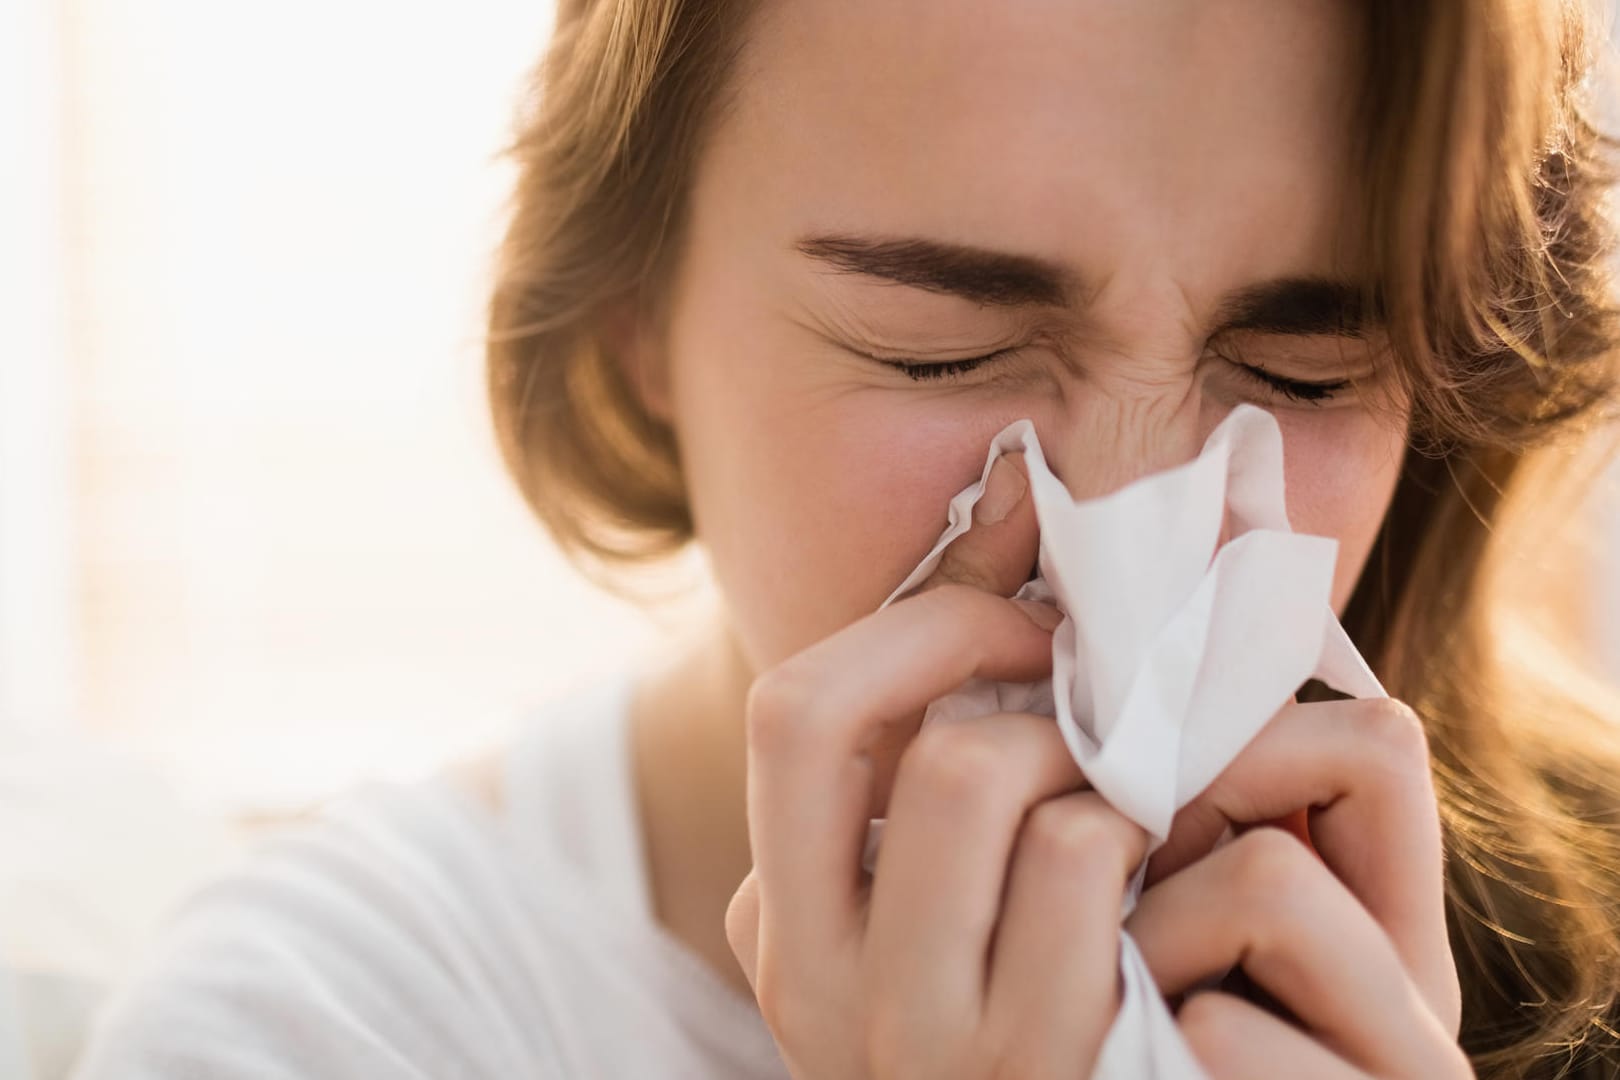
x: 255, y: 542
x: 256, y: 545
x: 252, y: 525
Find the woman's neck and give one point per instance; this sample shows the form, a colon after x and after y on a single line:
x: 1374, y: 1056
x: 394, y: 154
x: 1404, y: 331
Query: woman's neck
x: 690, y: 774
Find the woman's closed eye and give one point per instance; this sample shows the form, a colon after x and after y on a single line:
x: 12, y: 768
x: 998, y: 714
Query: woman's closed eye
x: 1300, y: 390
x: 1295, y: 389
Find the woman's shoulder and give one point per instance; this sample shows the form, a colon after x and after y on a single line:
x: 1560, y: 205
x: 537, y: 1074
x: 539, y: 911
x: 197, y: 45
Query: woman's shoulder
x: 363, y: 942
x: 404, y: 930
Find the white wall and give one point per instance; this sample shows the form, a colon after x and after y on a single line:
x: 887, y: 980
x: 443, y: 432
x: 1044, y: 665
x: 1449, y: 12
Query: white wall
x: 298, y: 561
x: 38, y: 632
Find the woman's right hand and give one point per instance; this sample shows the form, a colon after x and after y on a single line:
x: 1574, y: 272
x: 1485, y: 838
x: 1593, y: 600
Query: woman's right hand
x: 986, y: 941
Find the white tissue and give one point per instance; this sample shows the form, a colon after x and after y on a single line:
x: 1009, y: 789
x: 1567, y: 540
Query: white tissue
x: 1172, y: 655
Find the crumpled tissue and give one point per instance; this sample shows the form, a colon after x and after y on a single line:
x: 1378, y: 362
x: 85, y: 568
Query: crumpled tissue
x: 1172, y: 655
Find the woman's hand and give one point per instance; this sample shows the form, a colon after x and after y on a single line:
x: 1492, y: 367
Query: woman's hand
x: 1352, y: 943
x: 985, y: 944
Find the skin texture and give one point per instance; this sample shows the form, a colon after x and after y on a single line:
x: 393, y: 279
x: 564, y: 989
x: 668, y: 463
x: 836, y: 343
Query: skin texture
x: 1170, y: 155
x: 1166, y: 155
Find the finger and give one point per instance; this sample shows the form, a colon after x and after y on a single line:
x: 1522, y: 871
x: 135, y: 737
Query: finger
x: 961, y: 791
x: 998, y: 553
x: 1266, y: 902
x: 742, y: 927
x: 1362, y: 766
x: 1197, y: 826
x: 810, y: 783
x: 1054, y: 965
x: 1233, y: 1039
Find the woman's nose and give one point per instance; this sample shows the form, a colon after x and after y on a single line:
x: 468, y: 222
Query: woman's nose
x: 1102, y: 445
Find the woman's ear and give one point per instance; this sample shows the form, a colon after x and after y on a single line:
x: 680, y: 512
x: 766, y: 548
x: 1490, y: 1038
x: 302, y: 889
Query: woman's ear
x: 631, y: 341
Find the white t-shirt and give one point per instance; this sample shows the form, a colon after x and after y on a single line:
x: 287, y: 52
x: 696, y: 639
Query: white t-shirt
x: 410, y: 931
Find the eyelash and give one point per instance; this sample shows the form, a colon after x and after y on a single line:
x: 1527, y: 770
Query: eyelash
x: 1293, y: 389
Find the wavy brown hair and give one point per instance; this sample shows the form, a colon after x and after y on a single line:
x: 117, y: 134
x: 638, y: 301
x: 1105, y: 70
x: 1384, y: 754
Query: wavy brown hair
x: 1485, y: 181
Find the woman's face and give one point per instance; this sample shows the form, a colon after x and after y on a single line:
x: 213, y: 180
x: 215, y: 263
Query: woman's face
x: 1124, y: 202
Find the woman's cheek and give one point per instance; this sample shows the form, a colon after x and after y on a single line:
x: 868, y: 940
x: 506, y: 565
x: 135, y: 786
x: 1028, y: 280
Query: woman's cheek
x: 826, y: 509
x: 886, y: 477
x: 1341, y: 466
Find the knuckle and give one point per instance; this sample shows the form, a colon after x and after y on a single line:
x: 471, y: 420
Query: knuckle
x: 1206, y: 1022
x: 1279, y: 890
x: 1396, y: 742
x: 1082, y: 834
x: 779, y: 701
x: 1271, y: 869
x: 1397, y: 726
x: 956, y: 761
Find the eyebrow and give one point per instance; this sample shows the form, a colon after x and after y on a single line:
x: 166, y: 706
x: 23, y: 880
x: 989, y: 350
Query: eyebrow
x: 1301, y: 305
x: 994, y: 278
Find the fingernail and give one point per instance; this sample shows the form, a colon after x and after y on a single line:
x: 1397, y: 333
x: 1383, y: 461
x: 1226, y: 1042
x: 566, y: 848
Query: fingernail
x: 1002, y: 491
x: 1042, y: 615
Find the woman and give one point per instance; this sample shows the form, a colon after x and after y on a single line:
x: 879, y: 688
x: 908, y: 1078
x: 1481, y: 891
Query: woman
x: 775, y: 276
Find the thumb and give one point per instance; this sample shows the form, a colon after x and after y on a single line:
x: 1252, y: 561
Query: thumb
x: 998, y: 552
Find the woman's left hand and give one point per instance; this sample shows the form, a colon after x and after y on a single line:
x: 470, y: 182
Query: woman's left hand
x: 1352, y: 943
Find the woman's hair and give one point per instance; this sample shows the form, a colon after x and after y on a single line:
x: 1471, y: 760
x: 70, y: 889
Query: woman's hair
x: 1487, y: 236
